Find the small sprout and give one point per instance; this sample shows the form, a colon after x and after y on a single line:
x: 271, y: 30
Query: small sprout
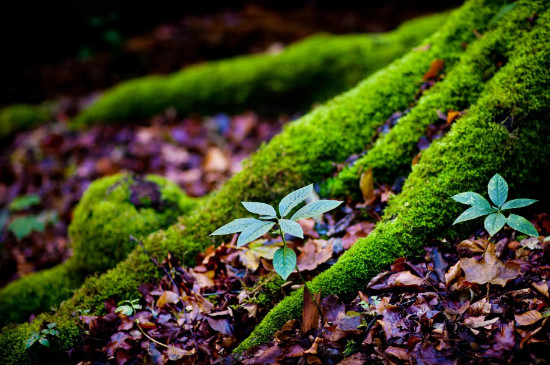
x: 250, y: 229
x: 42, y: 336
x: 129, y: 308
x: 495, y: 220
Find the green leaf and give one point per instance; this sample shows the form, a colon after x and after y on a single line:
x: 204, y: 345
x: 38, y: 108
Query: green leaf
x: 471, y: 198
x: 31, y: 340
x: 316, y: 208
x: 290, y: 201
x: 506, y: 8
x: 238, y: 225
x: 44, y: 341
x: 494, y: 223
x: 23, y: 226
x: 260, y: 208
x: 125, y: 309
x: 498, y: 190
x: 254, y: 231
x: 518, y: 203
x: 473, y: 213
x: 51, y: 325
x: 23, y: 202
x: 284, y: 261
x: 267, y: 217
x: 291, y: 227
x: 521, y: 224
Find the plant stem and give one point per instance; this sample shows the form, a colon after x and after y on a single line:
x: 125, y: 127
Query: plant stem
x: 304, y: 281
x: 149, y: 337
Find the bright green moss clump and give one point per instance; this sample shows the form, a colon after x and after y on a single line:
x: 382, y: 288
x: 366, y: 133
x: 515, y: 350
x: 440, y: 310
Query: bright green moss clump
x: 304, y: 152
x: 392, y: 153
x: 506, y: 131
x: 309, y: 71
x: 17, y: 117
x: 112, y: 209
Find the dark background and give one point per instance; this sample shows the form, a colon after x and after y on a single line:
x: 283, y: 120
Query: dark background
x: 55, y: 48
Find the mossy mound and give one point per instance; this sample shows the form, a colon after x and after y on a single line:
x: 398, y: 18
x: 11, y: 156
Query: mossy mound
x: 18, y: 117
x: 307, y: 149
x: 505, y: 131
x: 112, y: 209
x: 309, y: 71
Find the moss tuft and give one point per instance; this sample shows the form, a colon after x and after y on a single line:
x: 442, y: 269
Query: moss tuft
x: 15, y: 118
x: 112, y: 209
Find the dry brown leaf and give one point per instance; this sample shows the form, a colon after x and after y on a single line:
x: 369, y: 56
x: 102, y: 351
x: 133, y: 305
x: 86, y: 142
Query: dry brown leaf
x: 216, y: 161
x: 453, y: 273
x: 398, y: 352
x: 528, y: 318
x: 168, y: 297
x: 452, y: 115
x: 468, y: 247
x: 542, y: 287
x: 353, y: 233
x: 314, y: 253
x: 310, y: 314
x: 490, y: 269
x: 366, y: 184
x: 478, y: 322
x: 435, y: 68
x: 203, y: 280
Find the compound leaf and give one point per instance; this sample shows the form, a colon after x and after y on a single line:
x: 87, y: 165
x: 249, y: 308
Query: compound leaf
x: 471, y: 198
x: 517, y: 203
x: 316, y: 208
x: 291, y: 227
x: 521, y: 224
x: 473, y: 212
x: 494, y: 223
x: 498, y: 190
x: 260, y: 208
x: 238, y: 225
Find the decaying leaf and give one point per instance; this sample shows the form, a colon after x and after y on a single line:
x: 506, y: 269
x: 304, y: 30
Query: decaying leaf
x: 528, y: 318
x: 310, y: 314
x: 366, y: 184
x: 489, y: 270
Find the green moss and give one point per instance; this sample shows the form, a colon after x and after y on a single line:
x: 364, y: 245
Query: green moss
x: 18, y: 117
x: 304, y: 152
x: 392, y: 153
x: 309, y: 71
x: 478, y: 145
x: 112, y: 209
x: 115, y: 207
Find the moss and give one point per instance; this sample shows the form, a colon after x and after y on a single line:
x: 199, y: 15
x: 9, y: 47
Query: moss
x: 478, y: 145
x: 392, y: 153
x: 110, y: 211
x: 116, y: 207
x: 18, y: 117
x: 304, y: 152
x: 293, y: 78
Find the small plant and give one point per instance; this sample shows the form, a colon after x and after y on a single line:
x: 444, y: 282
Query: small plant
x: 129, y: 308
x: 284, y: 259
x: 495, y: 220
x: 42, y: 336
x: 23, y: 224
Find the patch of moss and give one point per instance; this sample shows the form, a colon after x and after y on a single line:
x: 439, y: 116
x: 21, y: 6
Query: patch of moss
x: 304, y: 152
x: 309, y: 71
x: 109, y: 212
x: 15, y: 118
x: 392, y: 153
x: 480, y: 144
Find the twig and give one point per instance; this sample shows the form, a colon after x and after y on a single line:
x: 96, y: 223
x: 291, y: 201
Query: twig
x: 149, y: 337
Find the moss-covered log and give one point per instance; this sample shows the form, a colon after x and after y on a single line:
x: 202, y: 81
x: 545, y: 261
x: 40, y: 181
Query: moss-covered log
x: 18, y: 117
x: 112, y: 209
x: 309, y: 71
x: 304, y: 152
x: 506, y: 131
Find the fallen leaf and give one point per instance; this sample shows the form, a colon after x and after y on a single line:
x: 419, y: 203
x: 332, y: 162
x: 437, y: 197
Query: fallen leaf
x: 353, y: 233
x: 452, y: 115
x: 310, y: 313
x: 398, y: 352
x: 404, y: 279
x: 366, y: 184
x: 528, y: 318
x: 175, y: 353
x: 222, y: 326
x: 216, y: 161
x: 468, y: 247
x: 168, y: 297
x: 435, y: 68
x: 314, y: 253
x: 355, y: 359
x: 490, y: 269
x: 453, y: 273
x: 542, y: 287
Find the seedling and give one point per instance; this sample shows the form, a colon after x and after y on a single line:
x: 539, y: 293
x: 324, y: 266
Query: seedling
x: 284, y: 259
x: 128, y: 307
x: 495, y: 220
x: 42, y: 336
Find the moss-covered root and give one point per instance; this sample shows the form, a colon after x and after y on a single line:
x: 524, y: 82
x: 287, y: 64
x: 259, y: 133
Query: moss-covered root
x: 310, y: 71
x: 507, y: 131
x: 112, y: 209
x: 303, y: 152
x: 393, y: 152
x: 18, y: 117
